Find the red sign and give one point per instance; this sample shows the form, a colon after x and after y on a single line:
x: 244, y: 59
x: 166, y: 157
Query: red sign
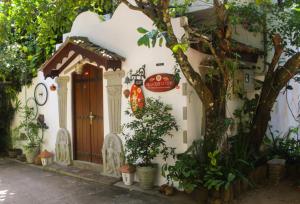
x: 160, y: 82
x: 137, y: 99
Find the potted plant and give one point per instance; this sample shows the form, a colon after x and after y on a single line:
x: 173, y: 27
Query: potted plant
x: 144, y: 136
x: 30, y: 128
x: 128, y: 172
x: 46, y: 158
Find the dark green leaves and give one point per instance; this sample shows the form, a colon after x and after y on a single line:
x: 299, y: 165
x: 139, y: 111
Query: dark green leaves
x: 145, y: 135
x: 149, y: 39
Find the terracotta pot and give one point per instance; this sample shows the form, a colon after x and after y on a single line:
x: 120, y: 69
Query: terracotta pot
x: 37, y: 160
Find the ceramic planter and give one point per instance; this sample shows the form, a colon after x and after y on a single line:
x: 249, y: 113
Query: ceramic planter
x: 46, y: 158
x: 146, y: 175
x: 128, y: 178
x: 128, y: 172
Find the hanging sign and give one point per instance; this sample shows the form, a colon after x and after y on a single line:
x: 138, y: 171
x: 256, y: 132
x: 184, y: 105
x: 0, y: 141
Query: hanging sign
x: 137, y: 99
x: 161, y: 82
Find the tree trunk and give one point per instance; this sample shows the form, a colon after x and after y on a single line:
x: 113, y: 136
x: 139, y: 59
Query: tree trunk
x: 271, y: 88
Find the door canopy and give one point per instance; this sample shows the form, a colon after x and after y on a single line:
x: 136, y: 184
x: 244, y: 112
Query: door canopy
x: 76, y: 46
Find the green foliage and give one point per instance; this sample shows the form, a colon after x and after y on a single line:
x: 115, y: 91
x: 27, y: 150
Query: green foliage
x: 29, y: 31
x: 286, y: 146
x: 217, y: 176
x: 150, y: 38
x: 145, y: 135
x: 30, y: 128
x: 6, y: 115
x: 38, y: 25
x: 270, y: 18
x: 188, y: 168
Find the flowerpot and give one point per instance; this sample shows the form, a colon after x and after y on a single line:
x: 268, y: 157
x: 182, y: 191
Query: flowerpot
x: 46, y: 158
x: 146, y: 175
x: 37, y: 161
x: 12, y: 153
x: 276, y: 169
x: 128, y: 178
x: 47, y: 161
x: 31, y: 154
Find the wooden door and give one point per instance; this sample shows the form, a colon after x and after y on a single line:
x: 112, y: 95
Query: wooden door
x: 88, y: 114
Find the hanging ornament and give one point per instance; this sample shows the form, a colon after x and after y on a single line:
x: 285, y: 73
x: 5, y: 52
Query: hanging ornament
x: 137, y: 99
x: 126, y: 93
x: 52, y: 87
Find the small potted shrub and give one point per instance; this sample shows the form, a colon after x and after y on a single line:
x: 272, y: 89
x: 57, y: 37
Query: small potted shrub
x: 145, y: 138
x: 46, y: 158
x: 128, y: 172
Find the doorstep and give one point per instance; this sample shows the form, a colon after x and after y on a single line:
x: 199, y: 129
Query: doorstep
x: 77, y: 172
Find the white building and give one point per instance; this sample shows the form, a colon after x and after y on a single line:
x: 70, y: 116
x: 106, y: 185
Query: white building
x: 89, y: 71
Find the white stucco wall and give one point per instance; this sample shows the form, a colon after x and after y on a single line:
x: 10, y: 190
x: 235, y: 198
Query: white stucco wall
x: 120, y: 35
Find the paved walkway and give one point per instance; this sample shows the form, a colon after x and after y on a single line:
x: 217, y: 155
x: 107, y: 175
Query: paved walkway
x: 22, y: 184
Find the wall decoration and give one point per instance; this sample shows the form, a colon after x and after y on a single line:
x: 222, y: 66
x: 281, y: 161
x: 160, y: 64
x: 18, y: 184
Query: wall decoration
x: 161, y: 82
x: 137, y: 99
x: 126, y: 93
x: 53, y: 87
x: 41, y: 94
x: 137, y: 77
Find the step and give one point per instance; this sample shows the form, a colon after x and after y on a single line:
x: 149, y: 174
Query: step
x: 88, y: 165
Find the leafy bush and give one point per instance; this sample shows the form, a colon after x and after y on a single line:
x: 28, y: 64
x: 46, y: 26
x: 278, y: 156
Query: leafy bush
x: 285, y: 147
x: 188, y: 168
x: 217, y: 176
x: 145, y: 133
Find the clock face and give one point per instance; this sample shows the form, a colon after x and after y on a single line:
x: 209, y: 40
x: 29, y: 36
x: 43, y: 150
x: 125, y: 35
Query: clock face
x: 41, y: 94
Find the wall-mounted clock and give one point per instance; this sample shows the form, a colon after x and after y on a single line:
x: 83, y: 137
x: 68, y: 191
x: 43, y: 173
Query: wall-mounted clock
x: 41, y: 94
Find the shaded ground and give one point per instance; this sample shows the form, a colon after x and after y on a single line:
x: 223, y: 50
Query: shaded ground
x: 285, y: 193
x: 22, y: 184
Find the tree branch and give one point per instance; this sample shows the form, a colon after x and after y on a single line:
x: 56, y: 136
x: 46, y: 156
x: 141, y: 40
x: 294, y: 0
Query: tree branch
x: 136, y: 8
x: 277, y: 42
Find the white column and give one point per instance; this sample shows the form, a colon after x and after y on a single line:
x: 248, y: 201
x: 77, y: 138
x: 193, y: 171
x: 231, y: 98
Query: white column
x: 63, y: 141
x: 62, y: 92
x: 112, y: 151
x: 114, y: 91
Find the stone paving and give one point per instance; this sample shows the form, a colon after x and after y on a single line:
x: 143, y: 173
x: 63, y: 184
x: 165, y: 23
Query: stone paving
x: 23, y: 184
